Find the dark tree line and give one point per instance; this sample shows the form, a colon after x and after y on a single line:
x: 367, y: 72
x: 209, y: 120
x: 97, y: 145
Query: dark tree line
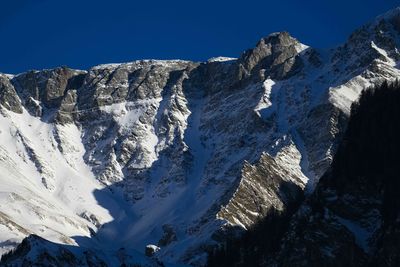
x: 368, y: 156
x: 257, y: 244
x: 370, y: 151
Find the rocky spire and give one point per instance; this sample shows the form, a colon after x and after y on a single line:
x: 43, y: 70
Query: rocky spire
x: 8, y: 96
x: 276, y: 55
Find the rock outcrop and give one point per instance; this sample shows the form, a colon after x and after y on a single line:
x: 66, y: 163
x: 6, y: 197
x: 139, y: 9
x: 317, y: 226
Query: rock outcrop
x: 352, y: 217
x: 170, y: 152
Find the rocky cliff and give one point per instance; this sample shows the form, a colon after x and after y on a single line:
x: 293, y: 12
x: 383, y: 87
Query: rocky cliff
x: 352, y: 218
x: 176, y: 153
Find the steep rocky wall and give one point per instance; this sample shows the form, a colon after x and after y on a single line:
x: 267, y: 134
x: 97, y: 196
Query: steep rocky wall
x: 190, y: 146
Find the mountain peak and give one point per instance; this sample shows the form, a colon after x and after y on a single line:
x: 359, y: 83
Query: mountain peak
x: 276, y: 54
x: 175, y: 153
x: 279, y: 37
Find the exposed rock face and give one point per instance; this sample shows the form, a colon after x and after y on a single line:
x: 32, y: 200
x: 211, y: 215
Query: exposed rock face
x: 195, y: 146
x: 45, y: 89
x: 276, y: 56
x: 263, y: 186
x: 8, y: 96
x: 352, y: 218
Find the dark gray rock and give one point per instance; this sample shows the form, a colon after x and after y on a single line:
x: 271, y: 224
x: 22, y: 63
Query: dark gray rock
x: 45, y: 89
x: 230, y: 139
x: 8, y: 96
x: 68, y: 107
x: 263, y: 186
x: 276, y: 55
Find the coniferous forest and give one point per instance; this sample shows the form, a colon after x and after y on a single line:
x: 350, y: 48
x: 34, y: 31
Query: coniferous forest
x: 366, y: 162
x: 370, y: 150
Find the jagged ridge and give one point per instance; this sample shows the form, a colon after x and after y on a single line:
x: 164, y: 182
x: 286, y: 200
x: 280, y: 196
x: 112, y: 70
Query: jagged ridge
x: 152, y: 145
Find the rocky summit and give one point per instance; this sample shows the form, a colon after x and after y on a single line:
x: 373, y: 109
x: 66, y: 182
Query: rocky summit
x: 98, y: 167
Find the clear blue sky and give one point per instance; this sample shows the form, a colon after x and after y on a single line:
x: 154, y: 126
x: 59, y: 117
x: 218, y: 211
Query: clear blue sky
x: 38, y: 34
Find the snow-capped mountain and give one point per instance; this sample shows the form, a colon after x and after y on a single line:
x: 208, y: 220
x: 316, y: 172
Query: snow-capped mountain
x: 178, y: 153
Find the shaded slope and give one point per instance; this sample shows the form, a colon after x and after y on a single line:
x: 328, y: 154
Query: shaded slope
x: 186, y: 144
x: 352, y: 219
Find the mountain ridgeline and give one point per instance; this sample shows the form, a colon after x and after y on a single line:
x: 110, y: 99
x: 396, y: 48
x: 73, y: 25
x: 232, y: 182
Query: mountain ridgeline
x: 165, y: 162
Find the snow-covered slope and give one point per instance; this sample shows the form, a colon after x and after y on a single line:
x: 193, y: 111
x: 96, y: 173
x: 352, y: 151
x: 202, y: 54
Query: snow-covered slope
x: 175, y: 153
x: 352, y: 217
